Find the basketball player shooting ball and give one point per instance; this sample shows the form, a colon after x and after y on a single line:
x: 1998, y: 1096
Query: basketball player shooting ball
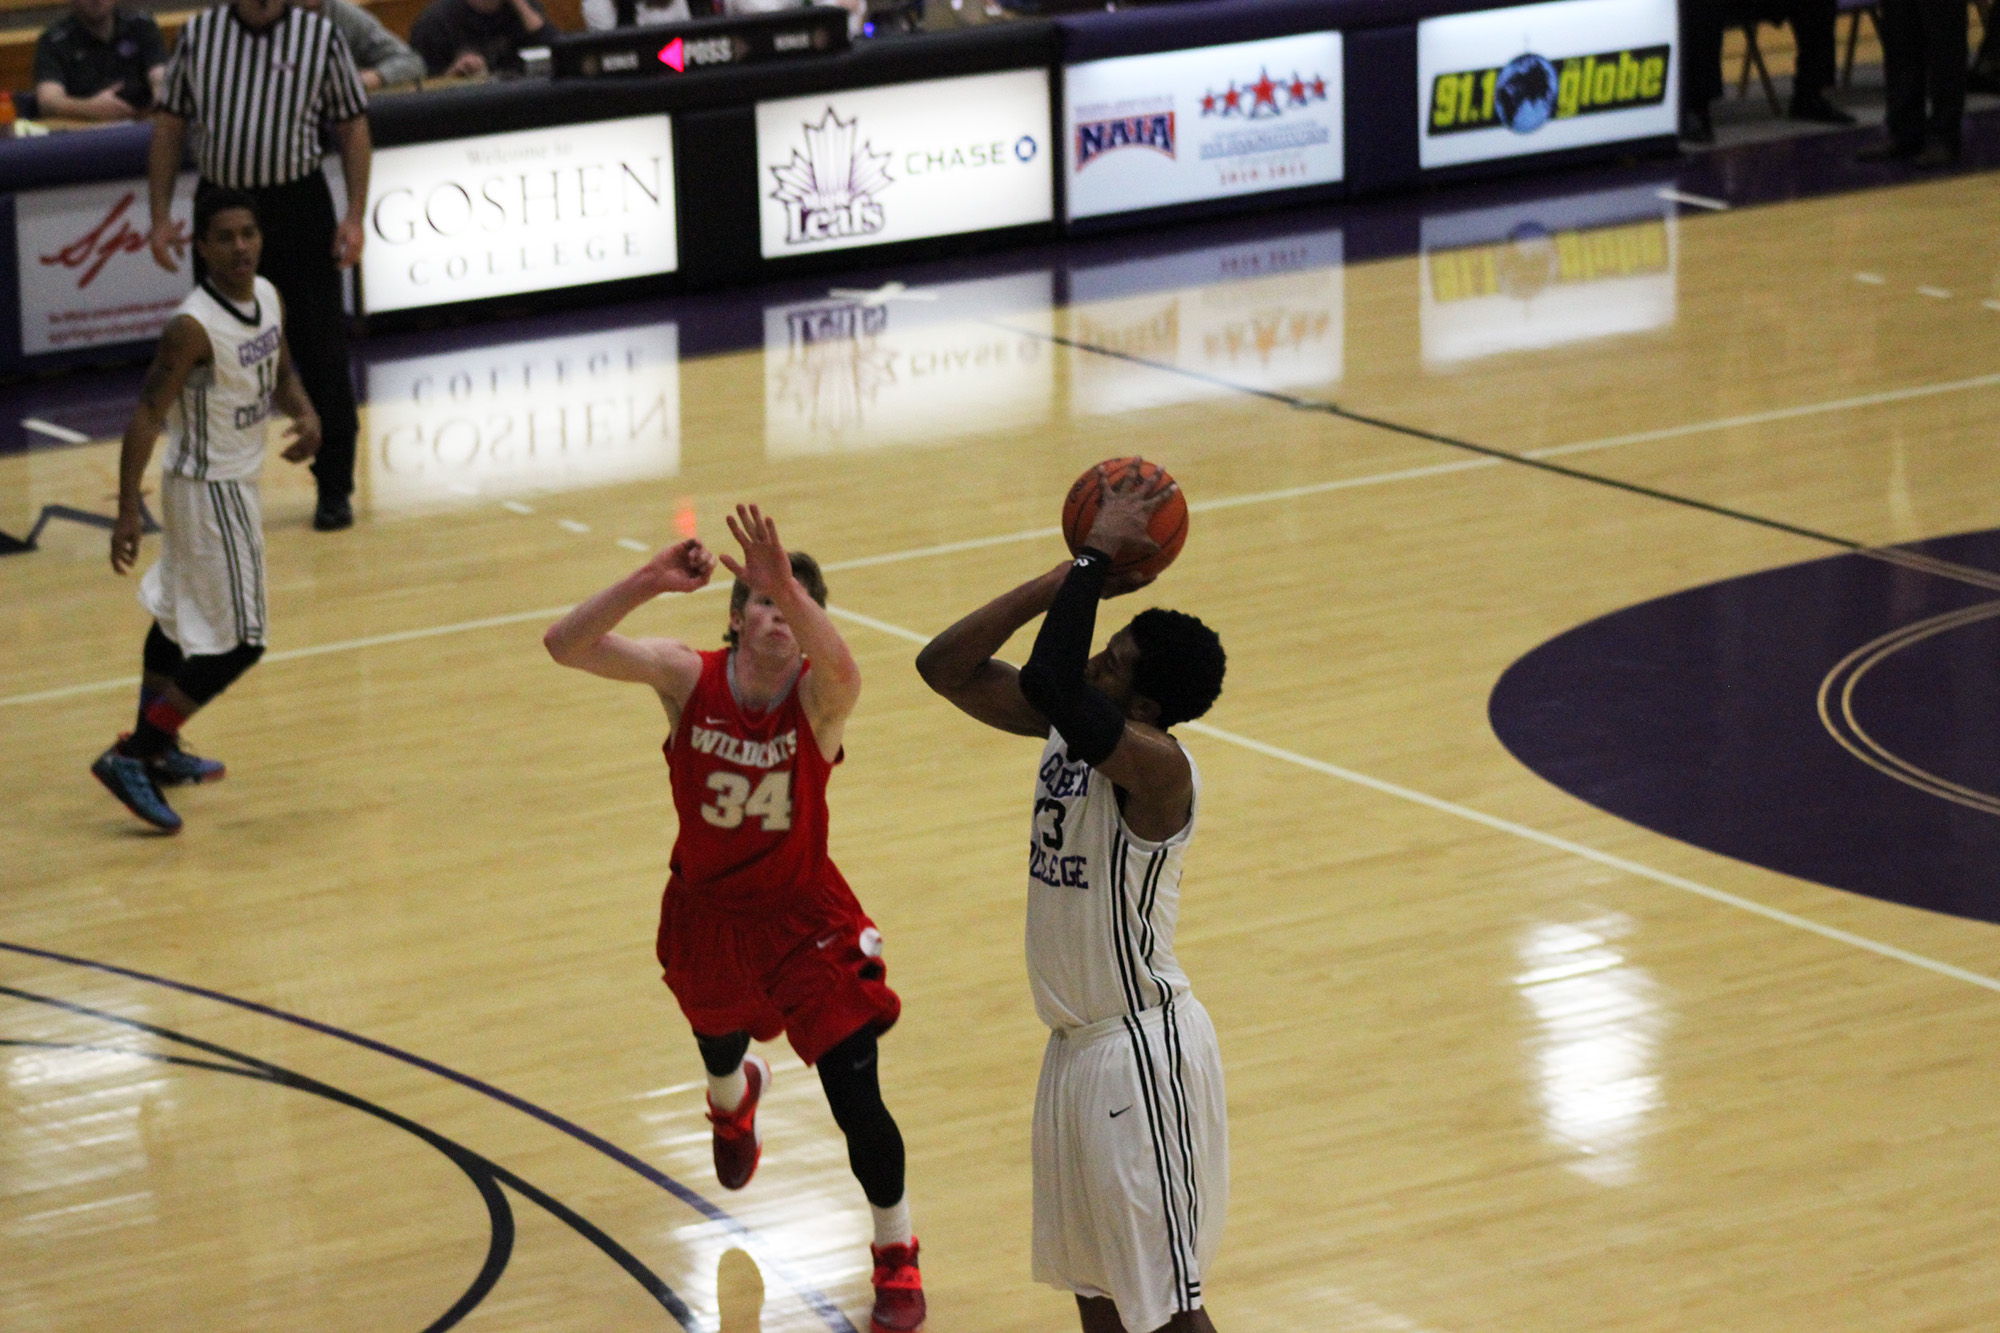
x: 1131, y: 1139
x: 759, y: 933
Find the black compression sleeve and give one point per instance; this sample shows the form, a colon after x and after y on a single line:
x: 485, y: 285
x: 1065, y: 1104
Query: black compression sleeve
x: 1052, y: 680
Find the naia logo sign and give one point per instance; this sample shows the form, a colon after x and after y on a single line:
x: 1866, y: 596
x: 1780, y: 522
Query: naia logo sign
x: 904, y: 162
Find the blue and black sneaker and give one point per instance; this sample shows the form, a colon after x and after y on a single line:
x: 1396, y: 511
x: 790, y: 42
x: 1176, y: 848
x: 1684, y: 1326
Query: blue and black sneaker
x: 175, y: 767
x: 127, y: 779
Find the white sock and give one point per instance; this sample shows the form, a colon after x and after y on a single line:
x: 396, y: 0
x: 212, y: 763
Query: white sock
x: 726, y: 1091
x: 892, y: 1224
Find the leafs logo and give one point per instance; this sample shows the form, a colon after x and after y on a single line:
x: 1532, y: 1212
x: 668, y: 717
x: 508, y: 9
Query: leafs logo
x: 829, y: 190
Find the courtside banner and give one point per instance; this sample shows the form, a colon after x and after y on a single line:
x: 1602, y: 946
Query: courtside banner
x: 1183, y: 126
x: 871, y: 166
x: 531, y: 211
x: 86, y: 272
x: 1541, y: 78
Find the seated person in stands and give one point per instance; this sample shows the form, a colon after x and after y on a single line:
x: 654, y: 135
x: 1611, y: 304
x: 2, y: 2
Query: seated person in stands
x: 474, y: 37
x: 97, y: 63
x: 380, y: 55
x: 603, y: 15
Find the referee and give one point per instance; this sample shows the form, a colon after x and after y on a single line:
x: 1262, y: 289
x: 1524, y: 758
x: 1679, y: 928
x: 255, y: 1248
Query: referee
x: 259, y: 78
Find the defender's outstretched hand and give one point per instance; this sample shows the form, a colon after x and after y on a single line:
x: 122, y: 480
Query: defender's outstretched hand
x: 682, y: 567
x: 766, y: 567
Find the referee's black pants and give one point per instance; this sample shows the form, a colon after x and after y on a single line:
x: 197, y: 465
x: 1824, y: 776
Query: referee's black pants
x: 298, y: 223
x: 1923, y: 63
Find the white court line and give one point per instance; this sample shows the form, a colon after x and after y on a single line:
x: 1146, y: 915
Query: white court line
x: 53, y: 431
x: 1775, y: 414
x: 1513, y: 829
x: 1695, y: 200
x: 1037, y: 534
x: 1935, y: 293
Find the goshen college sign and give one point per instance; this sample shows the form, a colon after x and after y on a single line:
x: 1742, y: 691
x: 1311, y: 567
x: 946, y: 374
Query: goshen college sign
x: 529, y: 211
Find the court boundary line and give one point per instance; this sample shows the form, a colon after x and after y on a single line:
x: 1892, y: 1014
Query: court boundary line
x: 1537, y: 459
x: 1491, y: 458
x: 1529, y: 833
x: 812, y: 1297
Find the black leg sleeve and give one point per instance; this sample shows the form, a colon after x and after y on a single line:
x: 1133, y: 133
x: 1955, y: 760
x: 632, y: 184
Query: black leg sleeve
x: 851, y: 1075
x: 721, y: 1055
x: 202, y: 678
x: 162, y: 656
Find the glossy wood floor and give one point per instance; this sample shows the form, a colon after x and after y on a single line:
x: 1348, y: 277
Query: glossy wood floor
x: 1494, y: 1062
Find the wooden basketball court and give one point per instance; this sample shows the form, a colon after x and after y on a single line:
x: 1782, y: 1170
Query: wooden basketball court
x: 379, y: 1039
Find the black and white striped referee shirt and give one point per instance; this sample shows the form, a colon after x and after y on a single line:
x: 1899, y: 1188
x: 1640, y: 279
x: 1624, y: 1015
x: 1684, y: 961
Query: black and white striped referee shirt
x: 261, y: 96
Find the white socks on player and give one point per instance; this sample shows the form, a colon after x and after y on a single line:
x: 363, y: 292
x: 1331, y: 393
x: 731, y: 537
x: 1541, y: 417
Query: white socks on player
x: 726, y: 1091
x: 892, y: 1224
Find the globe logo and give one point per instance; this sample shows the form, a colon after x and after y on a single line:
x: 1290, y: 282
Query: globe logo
x: 1526, y: 95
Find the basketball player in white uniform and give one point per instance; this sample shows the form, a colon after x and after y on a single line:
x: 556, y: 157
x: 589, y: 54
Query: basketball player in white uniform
x: 1131, y: 1138
x: 221, y: 372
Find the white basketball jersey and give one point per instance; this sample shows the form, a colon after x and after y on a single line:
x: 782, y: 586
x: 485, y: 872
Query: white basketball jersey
x: 1102, y: 902
x: 215, y: 431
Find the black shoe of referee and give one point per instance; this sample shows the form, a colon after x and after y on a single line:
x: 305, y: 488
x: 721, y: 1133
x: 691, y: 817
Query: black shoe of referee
x: 334, y: 514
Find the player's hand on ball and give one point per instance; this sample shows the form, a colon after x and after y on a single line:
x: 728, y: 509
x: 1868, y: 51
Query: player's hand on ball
x: 1120, y: 529
x: 682, y: 567
x: 305, y: 440
x: 1118, y: 584
x: 766, y: 567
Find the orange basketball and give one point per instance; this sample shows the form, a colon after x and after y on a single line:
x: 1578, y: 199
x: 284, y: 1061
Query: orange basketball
x: 1169, y: 526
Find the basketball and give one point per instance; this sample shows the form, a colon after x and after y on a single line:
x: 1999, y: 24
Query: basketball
x: 1169, y: 526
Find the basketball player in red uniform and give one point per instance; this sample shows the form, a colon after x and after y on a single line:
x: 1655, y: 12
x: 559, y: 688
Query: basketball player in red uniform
x: 759, y: 934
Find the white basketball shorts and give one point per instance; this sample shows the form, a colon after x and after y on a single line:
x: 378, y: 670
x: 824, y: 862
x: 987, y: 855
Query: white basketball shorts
x: 207, y: 587
x: 1132, y: 1161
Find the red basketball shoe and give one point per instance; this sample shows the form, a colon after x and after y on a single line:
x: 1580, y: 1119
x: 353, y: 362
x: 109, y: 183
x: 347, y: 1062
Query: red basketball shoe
x: 738, y: 1146
x: 899, y: 1289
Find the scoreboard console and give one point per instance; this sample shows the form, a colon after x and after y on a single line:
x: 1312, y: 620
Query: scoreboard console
x: 667, y: 49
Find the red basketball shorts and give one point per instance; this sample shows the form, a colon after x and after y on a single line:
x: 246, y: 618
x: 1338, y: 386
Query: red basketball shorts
x: 810, y: 968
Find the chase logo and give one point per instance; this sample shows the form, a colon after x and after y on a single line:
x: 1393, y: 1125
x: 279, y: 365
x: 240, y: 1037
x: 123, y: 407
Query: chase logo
x: 1530, y: 90
x: 1094, y: 138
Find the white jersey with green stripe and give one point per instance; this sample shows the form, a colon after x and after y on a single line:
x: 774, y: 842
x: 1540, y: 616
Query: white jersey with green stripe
x: 215, y: 429
x: 1102, y: 902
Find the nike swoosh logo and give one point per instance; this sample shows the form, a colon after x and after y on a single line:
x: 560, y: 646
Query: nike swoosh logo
x: 1120, y: 1111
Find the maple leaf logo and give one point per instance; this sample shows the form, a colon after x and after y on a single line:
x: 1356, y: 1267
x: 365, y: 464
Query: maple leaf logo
x: 829, y: 189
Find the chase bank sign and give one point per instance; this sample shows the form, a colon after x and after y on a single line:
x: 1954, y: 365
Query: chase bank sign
x: 871, y: 166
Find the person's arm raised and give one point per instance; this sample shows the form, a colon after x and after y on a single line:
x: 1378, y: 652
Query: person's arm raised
x: 585, y: 638
x: 960, y: 663
x: 833, y: 686
x: 1124, y: 746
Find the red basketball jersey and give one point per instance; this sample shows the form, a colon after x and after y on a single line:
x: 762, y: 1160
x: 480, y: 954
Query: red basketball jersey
x: 750, y: 791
